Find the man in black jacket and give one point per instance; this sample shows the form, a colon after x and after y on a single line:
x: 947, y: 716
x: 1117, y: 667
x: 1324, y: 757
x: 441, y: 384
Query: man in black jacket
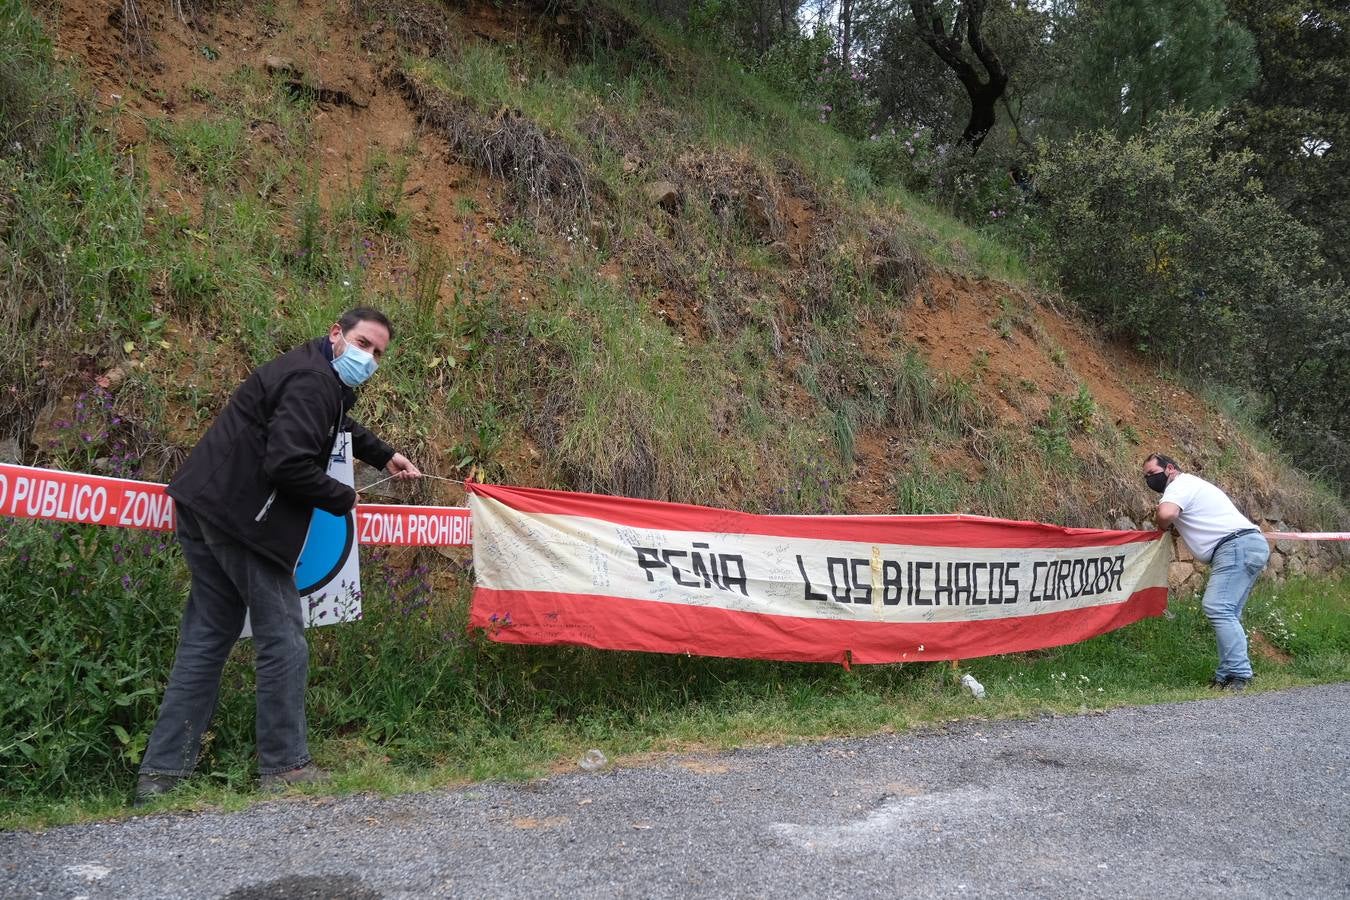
x: 244, y: 500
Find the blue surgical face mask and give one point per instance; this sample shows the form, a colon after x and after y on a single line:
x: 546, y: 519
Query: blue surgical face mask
x: 355, y: 365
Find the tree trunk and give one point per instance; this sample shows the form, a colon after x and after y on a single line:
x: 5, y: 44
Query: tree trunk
x: 982, y: 117
x: 846, y: 34
x: 966, y: 31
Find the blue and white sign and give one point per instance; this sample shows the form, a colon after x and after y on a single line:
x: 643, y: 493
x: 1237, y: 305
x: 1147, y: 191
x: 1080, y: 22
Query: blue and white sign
x: 328, y: 574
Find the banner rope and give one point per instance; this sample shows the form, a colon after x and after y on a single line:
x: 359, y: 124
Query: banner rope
x: 423, y: 475
x: 1306, y: 535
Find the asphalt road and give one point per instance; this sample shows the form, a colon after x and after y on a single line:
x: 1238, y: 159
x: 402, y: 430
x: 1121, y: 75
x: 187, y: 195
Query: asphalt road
x: 1240, y: 796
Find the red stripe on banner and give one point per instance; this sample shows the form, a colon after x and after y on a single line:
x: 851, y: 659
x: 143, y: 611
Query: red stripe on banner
x: 32, y: 493
x: 609, y: 623
x: 917, y: 531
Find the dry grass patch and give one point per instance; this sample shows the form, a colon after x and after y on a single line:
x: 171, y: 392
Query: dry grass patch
x: 544, y: 176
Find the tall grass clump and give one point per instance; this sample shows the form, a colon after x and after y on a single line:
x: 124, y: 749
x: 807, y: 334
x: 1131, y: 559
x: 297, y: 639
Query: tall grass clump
x: 91, y: 616
x: 74, y: 267
x: 631, y: 411
x: 208, y: 150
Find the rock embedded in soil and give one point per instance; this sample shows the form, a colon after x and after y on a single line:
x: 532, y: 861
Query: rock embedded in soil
x: 663, y: 194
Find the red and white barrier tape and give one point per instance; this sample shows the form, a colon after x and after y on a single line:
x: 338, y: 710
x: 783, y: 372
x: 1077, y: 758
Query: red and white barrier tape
x: 1307, y: 535
x: 32, y: 493
x: 27, y: 492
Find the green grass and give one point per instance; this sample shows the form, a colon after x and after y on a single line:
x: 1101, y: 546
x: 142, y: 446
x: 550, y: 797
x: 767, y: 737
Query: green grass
x: 520, y: 234
x: 452, y: 711
x: 375, y: 206
x: 716, y: 107
x: 636, y: 407
x: 209, y: 150
x: 921, y: 491
x: 952, y: 244
x: 721, y: 106
x: 74, y: 270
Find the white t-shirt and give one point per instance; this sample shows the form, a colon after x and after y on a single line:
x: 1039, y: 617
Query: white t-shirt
x: 1207, y: 515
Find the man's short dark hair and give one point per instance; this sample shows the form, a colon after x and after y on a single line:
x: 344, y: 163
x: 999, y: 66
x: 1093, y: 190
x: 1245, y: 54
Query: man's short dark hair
x: 1163, y: 460
x: 365, y: 314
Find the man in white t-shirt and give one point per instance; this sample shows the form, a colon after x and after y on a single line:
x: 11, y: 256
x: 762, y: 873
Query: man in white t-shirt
x: 1233, y: 546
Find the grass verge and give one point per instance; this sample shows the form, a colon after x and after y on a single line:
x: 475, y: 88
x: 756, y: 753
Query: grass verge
x: 404, y: 702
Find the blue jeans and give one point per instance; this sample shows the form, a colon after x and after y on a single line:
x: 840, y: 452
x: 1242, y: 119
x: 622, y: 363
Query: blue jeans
x: 229, y: 579
x: 1232, y: 572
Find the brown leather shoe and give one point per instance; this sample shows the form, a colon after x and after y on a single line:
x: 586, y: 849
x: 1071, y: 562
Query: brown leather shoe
x: 306, y: 774
x: 151, y: 787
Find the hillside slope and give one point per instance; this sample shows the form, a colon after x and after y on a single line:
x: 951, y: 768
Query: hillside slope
x: 616, y: 266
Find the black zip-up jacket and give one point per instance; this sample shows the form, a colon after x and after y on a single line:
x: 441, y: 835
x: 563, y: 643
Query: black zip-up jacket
x: 262, y: 467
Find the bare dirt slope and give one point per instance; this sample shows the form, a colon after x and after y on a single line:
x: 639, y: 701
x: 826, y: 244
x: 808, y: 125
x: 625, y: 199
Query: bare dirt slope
x: 1019, y: 353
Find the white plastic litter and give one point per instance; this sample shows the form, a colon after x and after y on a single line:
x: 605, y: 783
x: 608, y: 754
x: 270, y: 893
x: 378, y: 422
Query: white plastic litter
x: 592, y: 760
x: 969, y: 683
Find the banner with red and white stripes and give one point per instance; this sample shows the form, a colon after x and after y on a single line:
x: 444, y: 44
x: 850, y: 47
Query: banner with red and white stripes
x: 622, y: 574
x: 33, y: 493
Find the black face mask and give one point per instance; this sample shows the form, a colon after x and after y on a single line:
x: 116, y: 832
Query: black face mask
x: 1157, y: 481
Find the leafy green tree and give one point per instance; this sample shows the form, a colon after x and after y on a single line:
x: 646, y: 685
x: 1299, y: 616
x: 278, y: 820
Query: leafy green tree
x: 1302, y: 365
x: 914, y: 89
x: 1142, y: 229
x: 1127, y: 61
x: 958, y: 37
x: 813, y: 73
x: 1174, y: 246
x: 1296, y: 119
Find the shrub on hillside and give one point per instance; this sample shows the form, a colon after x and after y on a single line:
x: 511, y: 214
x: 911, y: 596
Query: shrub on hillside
x: 809, y: 71
x: 1171, y: 245
x: 1166, y: 241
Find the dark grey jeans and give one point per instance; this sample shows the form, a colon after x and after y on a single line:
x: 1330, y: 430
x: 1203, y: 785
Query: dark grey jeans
x: 228, y: 579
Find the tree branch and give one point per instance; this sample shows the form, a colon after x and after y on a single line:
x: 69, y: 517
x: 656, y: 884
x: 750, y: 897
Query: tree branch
x: 983, y: 52
x: 933, y: 32
x: 967, y: 26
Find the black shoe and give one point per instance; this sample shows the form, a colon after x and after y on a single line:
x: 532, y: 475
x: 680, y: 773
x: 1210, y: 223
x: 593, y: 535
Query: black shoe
x: 151, y: 787
x: 1236, y: 684
x: 306, y: 774
x: 1218, y: 681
